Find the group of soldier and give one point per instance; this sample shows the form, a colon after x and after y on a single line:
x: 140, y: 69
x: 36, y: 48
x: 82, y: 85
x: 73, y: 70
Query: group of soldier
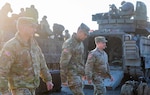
x: 22, y: 62
x: 72, y: 64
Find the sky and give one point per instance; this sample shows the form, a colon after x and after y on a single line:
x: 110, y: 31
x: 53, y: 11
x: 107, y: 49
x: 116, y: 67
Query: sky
x: 69, y: 13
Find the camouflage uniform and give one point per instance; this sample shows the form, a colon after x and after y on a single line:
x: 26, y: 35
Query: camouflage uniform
x: 96, y: 69
x: 67, y: 35
x: 71, y: 64
x: 21, y: 65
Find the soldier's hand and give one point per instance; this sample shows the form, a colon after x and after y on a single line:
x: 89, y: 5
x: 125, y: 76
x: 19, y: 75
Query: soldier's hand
x: 83, y: 77
x: 89, y: 81
x: 111, y: 79
x: 49, y: 85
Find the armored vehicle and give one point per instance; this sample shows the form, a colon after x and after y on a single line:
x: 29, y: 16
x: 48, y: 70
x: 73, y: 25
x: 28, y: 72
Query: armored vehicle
x: 51, y: 46
x: 128, y: 45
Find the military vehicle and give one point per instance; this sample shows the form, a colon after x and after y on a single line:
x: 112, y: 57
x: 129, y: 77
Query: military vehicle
x: 51, y: 46
x: 128, y: 45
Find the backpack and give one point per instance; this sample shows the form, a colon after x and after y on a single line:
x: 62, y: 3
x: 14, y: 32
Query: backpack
x: 129, y: 88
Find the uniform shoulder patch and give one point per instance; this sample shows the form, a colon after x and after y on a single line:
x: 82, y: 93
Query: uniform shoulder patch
x: 90, y: 56
x: 7, y: 53
x: 65, y: 50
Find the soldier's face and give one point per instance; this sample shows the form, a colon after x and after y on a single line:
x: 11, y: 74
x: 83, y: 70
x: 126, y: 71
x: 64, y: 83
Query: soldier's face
x: 101, y: 45
x: 30, y: 30
x: 82, y: 35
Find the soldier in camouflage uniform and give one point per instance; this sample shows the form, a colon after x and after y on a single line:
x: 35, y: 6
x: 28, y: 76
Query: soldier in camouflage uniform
x: 22, y: 62
x: 97, y: 67
x: 72, y: 60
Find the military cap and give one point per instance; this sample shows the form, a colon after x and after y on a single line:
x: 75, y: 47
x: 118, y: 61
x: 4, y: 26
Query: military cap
x: 85, y: 28
x: 26, y: 21
x: 100, y: 39
x: 44, y: 17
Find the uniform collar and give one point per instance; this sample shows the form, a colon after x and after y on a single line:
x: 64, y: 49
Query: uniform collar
x: 22, y: 42
x: 101, y: 51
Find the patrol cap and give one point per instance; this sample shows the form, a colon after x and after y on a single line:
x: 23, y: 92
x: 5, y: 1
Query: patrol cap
x: 26, y: 21
x: 44, y: 17
x: 100, y: 39
x: 85, y: 28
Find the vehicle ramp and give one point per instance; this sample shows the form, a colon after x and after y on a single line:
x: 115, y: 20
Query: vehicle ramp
x: 117, y: 78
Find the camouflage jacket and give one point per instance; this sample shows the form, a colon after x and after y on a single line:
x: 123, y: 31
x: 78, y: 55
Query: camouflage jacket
x: 72, y: 60
x: 97, y: 64
x: 21, y: 65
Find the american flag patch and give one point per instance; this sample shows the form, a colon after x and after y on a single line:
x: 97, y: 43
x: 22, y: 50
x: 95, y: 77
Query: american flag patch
x: 65, y: 50
x: 7, y: 53
x: 90, y: 56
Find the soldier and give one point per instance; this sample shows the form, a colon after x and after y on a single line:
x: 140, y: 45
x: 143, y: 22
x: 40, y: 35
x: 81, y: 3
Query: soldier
x: 113, y: 12
x: 67, y: 35
x: 22, y: 62
x: 45, y: 28
x: 97, y: 67
x: 72, y: 60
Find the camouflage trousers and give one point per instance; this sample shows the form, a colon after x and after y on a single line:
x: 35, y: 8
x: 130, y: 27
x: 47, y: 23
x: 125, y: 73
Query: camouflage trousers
x: 23, y: 91
x: 99, y: 88
x: 75, y: 85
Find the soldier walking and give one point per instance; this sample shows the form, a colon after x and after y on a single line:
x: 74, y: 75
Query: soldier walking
x: 97, y: 67
x: 72, y: 60
x: 22, y: 62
